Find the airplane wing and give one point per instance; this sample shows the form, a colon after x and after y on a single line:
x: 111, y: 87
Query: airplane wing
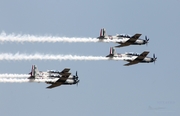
x: 65, y: 72
x: 131, y: 63
x: 54, y: 85
x: 142, y: 56
x: 124, y: 44
x: 60, y: 81
x: 134, y: 38
x: 138, y: 59
x: 130, y: 41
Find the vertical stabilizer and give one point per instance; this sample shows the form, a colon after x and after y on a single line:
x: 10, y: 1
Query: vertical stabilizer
x: 102, y: 34
x: 34, y: 72
x: 111, y: 52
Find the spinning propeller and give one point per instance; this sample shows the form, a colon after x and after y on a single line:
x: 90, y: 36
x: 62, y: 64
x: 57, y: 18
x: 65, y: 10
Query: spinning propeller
x: 76, y: 78
x: 146, y: 40
x: 154, y: 58
x: 76, y: 75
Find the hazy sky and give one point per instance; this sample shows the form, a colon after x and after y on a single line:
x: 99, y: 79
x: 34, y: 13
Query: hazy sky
x: 106, y: 87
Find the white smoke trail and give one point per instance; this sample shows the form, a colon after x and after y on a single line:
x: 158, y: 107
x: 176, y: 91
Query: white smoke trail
x: 17, y: 56
x: 5, y: 80
x: 31, y: 38
x: 6, y: 75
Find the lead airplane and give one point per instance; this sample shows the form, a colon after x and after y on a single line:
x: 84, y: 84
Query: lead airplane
x: 62, y: 77
x: 123, y: 39
x: 132, y: 58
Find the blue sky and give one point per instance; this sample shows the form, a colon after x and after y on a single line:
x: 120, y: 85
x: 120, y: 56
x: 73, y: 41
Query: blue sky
x: 106, y: 87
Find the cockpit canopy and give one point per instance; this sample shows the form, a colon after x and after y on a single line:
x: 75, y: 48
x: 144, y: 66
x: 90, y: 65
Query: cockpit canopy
x: 53, y: 71
x: 132, y: 54
x: 124, y: 35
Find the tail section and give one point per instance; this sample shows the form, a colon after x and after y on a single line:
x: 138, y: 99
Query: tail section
x: 111, y: 53
x: 34, y: 72
x: 102, y: 34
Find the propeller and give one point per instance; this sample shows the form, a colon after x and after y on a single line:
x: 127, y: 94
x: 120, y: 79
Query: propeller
x: 77, y: 82
x: 154, y: 58
x: 146, y: 40
x: 76, y: 77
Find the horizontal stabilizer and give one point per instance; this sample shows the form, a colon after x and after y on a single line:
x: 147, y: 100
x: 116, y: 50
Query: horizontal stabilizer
x: 31, y: 77
x: 110, y: 55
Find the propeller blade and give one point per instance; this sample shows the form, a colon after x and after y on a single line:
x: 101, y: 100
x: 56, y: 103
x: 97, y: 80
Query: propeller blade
x: 146, y: 40
x: 77, y: 82
x: 154, y: 58
x: 76, y: 75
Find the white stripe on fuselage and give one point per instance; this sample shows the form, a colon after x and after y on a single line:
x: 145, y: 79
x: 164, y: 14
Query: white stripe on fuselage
x: 71, y: 81
x: 139, y: 41
x: 131, y: 58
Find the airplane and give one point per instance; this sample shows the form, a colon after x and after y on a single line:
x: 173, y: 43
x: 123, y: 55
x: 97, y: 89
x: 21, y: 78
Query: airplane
x: 63, y: 77
x: 156, y: 108
x: 132, y: 58
x: 123, y: 39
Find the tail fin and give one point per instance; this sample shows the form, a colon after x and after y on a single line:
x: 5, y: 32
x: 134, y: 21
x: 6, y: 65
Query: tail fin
x: 102, y: 33
x: 34, y: 72
x: 111, y: 53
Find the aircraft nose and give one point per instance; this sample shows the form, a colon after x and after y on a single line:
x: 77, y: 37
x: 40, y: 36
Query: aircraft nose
x: 145, y: 41
x: 152, y: 59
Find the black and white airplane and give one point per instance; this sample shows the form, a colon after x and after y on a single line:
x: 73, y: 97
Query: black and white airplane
x: 132, y: 58
x: 61, y: 77
x: 123, y: 39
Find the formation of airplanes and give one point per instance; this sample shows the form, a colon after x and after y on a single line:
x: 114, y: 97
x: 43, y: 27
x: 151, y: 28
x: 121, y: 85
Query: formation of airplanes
x: 126, y: 40
x: 64, y: 77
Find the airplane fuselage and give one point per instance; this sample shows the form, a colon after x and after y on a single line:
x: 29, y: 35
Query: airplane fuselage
x: 70, y: 82
x: 122, y: 40
x: 42, y: 75
x: 67, y: 82
x: 139, y: 42
x: 145, y: 60
x: 47, y: 75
